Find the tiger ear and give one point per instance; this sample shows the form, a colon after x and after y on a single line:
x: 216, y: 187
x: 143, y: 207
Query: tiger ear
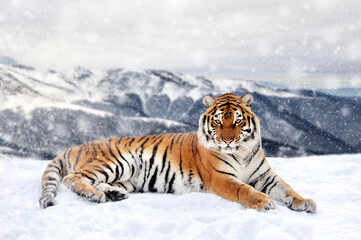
x: 208, y: 101
x: 247, y: 100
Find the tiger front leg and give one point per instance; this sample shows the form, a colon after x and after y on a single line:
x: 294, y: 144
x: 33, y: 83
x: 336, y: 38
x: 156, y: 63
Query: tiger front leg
x: 236, y: 191
x: 274, y: 186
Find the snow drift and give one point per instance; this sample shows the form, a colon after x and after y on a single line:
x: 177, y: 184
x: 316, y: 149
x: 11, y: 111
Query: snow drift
x: 332, y: 181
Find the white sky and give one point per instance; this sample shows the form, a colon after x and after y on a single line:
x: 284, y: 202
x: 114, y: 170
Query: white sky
x: 265, y: 40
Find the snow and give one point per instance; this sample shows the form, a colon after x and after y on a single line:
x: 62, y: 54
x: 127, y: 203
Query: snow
x: 251, y: 86
x: 167, y: 123
x: 27, y: 105
x: 333, y: 181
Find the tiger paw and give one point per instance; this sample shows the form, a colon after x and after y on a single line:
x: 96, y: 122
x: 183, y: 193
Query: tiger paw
x: 301, y: 204
x: 96, y: 198
x: 114, y: 196
x: 261, y: 202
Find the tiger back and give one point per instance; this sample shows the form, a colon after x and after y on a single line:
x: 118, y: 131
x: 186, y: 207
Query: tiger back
x: 224, y: 157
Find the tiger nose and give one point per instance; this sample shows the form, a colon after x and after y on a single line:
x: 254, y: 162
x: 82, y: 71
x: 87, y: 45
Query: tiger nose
x: 228, y: 141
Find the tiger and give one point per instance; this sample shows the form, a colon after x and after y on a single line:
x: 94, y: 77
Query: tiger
x: 224, y: 157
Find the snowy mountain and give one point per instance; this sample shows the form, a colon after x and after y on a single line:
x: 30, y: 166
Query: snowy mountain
x: 7, y: 60
x: 44, y: 112
x: 343, y: 91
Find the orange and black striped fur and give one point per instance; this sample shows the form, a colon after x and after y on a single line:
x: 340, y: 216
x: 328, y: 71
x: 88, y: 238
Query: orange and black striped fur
x: 224, y: 157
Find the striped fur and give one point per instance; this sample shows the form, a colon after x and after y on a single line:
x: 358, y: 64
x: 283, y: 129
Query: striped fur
x: 224, y: 157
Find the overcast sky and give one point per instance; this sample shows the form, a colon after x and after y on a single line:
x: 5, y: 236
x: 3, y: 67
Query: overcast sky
x: 309, y: 40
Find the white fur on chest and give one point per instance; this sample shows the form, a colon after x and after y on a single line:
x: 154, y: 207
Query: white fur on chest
x: 242, y: 163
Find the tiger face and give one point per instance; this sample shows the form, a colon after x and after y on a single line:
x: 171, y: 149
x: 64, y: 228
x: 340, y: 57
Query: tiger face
x: 228, y: 123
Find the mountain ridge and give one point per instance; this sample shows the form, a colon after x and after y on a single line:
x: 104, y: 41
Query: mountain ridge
x: 44, y: 112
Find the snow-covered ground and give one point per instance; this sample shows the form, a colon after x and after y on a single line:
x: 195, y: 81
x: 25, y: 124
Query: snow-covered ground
x: 334, y: 182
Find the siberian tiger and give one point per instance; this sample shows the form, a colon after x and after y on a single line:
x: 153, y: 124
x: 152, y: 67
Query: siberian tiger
x: 223, y: 157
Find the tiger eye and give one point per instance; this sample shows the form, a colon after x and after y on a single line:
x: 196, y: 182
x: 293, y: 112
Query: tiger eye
x: 238, y: 121
x: 217, y: 122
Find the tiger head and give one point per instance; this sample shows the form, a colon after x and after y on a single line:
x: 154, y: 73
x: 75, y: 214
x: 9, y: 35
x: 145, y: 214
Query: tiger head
x: 228, y: 123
